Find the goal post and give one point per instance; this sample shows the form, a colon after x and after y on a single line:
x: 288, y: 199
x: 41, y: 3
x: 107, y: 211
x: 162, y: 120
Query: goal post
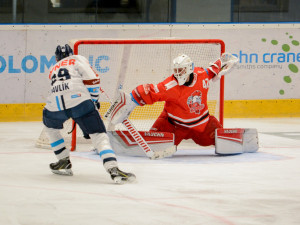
x: 128, y: 63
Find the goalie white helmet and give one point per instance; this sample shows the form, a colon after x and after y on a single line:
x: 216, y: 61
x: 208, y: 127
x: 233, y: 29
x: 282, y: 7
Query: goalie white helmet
x: 183, y: 66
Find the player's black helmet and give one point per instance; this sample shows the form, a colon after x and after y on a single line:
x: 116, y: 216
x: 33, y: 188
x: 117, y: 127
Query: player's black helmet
x: 63, y: 52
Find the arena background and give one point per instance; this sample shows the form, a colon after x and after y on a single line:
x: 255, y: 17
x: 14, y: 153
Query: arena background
x: 264, y: 83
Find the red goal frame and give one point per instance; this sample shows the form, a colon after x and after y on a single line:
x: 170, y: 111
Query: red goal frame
x: 158, y: 41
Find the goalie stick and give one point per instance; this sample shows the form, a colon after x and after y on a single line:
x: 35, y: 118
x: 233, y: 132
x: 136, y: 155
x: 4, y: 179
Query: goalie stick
x: 141, y: 141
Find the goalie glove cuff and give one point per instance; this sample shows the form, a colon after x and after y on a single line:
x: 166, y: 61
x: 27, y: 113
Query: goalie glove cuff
x: 133, y: 99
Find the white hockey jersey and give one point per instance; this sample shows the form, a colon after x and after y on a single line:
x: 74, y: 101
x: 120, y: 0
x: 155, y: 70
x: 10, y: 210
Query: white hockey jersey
x: 72, y: 82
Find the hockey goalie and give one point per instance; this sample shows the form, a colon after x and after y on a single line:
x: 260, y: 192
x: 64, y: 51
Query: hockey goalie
x: 185, y: 112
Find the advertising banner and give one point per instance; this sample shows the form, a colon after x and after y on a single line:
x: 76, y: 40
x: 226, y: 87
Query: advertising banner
x: 268, y: 68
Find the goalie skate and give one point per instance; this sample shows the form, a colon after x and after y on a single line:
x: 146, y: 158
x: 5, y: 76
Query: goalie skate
x: 62, y: 167
x: 121, y: 177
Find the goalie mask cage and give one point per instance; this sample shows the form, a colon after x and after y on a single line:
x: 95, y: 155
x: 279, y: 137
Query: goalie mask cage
x: 125, y: 64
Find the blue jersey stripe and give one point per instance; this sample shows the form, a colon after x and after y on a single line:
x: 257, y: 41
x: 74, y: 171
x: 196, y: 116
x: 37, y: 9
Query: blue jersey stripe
x: 57, y: 103
x: 63, y: 102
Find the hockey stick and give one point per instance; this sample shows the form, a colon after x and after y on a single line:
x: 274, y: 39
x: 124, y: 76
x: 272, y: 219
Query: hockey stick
x: 140, y: 140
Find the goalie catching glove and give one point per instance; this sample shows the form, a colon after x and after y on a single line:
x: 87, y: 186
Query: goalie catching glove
x: 227, y: 62
x: 121, y: 108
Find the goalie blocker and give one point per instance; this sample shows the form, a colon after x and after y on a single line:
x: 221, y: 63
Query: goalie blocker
x: 236, y: 141
x: 124, y: 144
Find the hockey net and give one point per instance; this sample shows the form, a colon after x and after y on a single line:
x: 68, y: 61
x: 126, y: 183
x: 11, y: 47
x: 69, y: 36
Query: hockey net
x: 126, y: 64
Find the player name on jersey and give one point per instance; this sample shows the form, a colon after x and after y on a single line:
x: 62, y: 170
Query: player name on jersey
x: 60, y: 87
x: 66, y: 62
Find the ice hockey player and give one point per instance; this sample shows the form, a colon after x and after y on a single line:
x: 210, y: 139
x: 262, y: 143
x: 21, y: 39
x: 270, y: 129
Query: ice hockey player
x: 185, y: 92
x: 75, y: 89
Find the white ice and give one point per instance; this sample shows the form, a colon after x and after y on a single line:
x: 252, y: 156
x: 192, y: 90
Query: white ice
x: 194, y: 187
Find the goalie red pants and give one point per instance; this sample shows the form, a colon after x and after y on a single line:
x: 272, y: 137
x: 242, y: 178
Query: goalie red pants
x: 203, y: 134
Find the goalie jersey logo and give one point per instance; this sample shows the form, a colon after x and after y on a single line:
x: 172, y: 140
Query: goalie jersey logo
x: 195, y: 102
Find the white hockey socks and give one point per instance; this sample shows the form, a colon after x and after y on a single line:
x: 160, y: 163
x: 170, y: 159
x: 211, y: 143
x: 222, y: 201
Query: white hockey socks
x: 105, y: 151
x: 57, y: 143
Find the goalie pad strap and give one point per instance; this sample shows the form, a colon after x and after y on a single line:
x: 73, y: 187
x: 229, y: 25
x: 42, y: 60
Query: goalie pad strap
x: 150, y: 137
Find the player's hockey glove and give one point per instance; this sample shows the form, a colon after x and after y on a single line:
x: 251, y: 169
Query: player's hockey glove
x: 97, y: 105
x: 227, y: 62
x: 85, y: 135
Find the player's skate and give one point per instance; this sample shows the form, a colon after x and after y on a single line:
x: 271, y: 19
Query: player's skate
x: 62, y: 167
x: 121, y: 177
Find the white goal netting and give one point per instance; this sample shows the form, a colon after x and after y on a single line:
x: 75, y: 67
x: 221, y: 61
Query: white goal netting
x: 126, y: 64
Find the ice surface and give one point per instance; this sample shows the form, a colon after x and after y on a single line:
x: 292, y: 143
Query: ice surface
x: 193, y: 187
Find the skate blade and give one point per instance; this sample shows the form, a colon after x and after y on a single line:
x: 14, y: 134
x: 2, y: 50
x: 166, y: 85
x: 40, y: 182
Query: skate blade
x: 67, y: 172
x: 121, y: 180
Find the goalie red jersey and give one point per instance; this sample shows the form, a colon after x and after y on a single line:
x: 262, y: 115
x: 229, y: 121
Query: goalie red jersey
x: 185, y: 111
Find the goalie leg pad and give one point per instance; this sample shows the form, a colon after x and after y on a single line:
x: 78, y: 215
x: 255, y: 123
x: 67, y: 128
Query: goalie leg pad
x: 236, y: 141
x: 121, y: 108
x: 124, y: 144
